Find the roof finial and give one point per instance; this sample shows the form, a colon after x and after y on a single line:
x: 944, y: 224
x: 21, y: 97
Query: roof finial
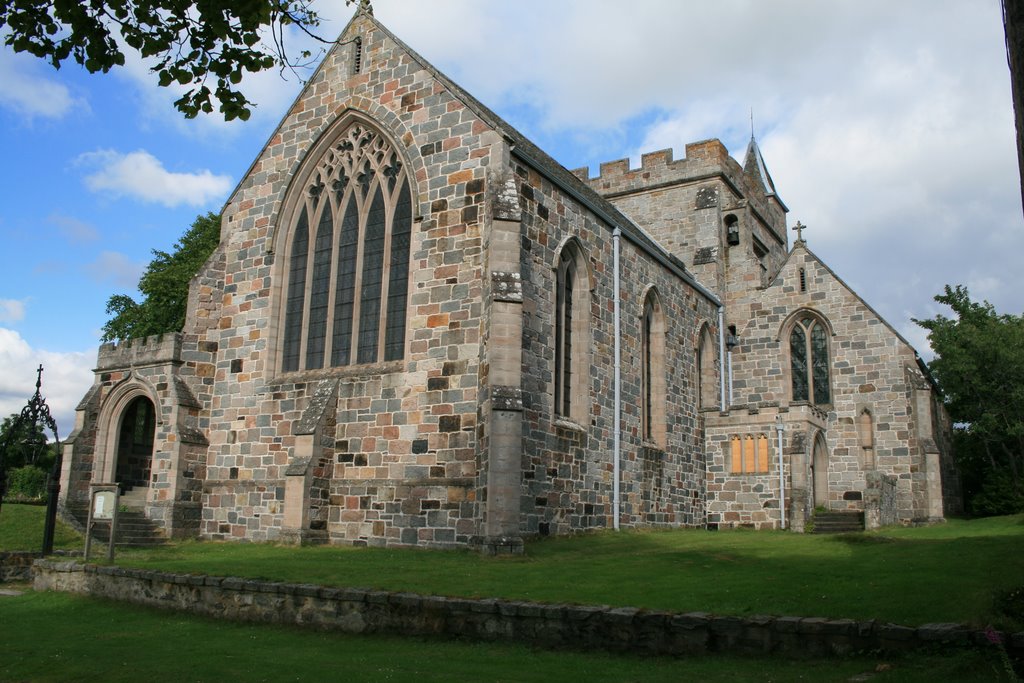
x: 800, y: 227
x: 365, y: 6
x: 751, y: 123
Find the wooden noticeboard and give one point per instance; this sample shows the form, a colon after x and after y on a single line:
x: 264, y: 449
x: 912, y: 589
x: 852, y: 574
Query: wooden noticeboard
x: 103, y: 503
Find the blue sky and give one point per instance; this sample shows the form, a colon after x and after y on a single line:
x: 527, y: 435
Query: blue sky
x: 887, y: 128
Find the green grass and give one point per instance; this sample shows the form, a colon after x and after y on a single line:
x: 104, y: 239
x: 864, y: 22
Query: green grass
x: 60, y: 637
x: 894, y: 575
x: 21, y: 528
x: 899, y: 575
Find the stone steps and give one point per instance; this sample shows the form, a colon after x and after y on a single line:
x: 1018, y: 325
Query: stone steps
x: 134, y: 529
x: 838, y: 522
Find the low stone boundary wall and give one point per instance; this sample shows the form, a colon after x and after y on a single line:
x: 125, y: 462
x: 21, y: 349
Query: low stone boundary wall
x: 17, y: 565
x: 602, y: 628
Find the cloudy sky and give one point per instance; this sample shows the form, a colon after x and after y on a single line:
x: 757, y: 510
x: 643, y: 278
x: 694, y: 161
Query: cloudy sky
x: 887, y: 127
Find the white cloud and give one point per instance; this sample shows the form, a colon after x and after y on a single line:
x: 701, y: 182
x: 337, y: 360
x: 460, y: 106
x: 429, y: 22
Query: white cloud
x: 115, y: 267
x: 66, y: 378
x: 11, y: 310
x: 30, y: 94
x: 892, y: 142
x: 142, y: 176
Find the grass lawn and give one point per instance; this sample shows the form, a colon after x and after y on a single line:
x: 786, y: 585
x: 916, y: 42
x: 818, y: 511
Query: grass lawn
x: 21, y: 528
x: 60, y: 637
x: 945, y: 573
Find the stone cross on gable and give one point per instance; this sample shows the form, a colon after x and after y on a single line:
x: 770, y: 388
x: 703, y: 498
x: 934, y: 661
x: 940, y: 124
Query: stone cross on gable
x: 799, y: 227
x: 365, y: 6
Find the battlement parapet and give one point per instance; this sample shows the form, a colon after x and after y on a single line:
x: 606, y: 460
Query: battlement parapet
x: 153, y: 350
x: 702, y: 159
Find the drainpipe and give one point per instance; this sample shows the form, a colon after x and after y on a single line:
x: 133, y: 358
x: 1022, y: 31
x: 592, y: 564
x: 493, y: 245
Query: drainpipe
x: 779, y: 428
x: 617, y: 426
x: 730, y: 379
x: 721, y: 357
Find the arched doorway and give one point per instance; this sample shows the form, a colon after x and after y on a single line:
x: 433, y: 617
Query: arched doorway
x: 135, y: 437
x: 819, y: 471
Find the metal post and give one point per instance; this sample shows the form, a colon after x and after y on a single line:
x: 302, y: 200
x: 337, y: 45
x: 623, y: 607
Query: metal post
x: 37, y: 413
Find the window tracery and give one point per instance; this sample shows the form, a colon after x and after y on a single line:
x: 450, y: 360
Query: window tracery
x: 347, y: 282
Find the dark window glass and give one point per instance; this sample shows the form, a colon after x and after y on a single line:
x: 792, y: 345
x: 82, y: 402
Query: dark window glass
x: 295, y: 302
x: 808, y: 345
x: 344, y: 296
x: 373, y: 270
x: 321, y: 284
x: 559, y: 329
x: 819, y: 367
x: 394, y: 337
x: 798, y: 355
x: 647, y: 375
x: 347, y: 285
x: 570, y: 277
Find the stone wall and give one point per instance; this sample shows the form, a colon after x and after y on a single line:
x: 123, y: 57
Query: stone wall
x: 568, y: 467
x: 579, y: 627
x: 152, y: 369
x: 17, y: 566
x: 868, y: 370
x: 397, y: 463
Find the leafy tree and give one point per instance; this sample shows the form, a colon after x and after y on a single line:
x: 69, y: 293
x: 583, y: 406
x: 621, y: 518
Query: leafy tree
x: 25, y: 457
x: 21, y: 444
x: 192, y: 42
x: 164, y: 285
x: 979, y: 365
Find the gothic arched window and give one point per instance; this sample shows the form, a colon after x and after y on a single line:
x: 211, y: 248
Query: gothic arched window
x: 809, y: 362
x: 572, y: 328
x: 348, y: 258
x: 707, y: 385
x: 653, y: 396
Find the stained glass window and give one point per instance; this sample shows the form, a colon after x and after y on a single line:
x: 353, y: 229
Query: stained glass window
x: 320, y: 287
x: 798, y: 355
x: 296, y: 297
x: 351, y: 286
x: 567, y: 294
x: 809, y: 362
x: 648, y: 376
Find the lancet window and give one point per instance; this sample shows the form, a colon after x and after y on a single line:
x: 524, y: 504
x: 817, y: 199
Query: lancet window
x: 809, y: 361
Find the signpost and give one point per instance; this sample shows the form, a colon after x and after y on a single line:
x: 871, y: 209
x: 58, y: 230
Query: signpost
x: 104, y: 499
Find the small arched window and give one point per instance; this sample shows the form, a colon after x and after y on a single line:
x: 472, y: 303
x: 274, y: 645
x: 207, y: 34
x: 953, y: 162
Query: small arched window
x: 348, y: 258
x: 572, y: 327
x: 653, y: 397
x: 707, y: 385
x: 732, y: 230
x: 809, y: 361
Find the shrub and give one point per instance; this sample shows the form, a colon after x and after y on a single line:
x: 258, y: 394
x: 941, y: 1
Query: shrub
x: 1010, y: 603
x: 998, y: 496
x: 27, y: 482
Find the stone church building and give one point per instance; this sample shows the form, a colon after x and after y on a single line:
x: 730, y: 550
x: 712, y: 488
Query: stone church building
x: 420, y: 329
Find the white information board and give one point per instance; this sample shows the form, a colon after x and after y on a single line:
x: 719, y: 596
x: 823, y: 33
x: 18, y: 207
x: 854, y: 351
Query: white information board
x: 103, y: 504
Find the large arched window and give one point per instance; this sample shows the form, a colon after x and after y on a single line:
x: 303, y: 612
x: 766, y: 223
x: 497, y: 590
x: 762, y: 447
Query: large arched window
x: 572, y: 332
x: 348, y: 258
x: 809, y: 361
x: 653, y: 396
